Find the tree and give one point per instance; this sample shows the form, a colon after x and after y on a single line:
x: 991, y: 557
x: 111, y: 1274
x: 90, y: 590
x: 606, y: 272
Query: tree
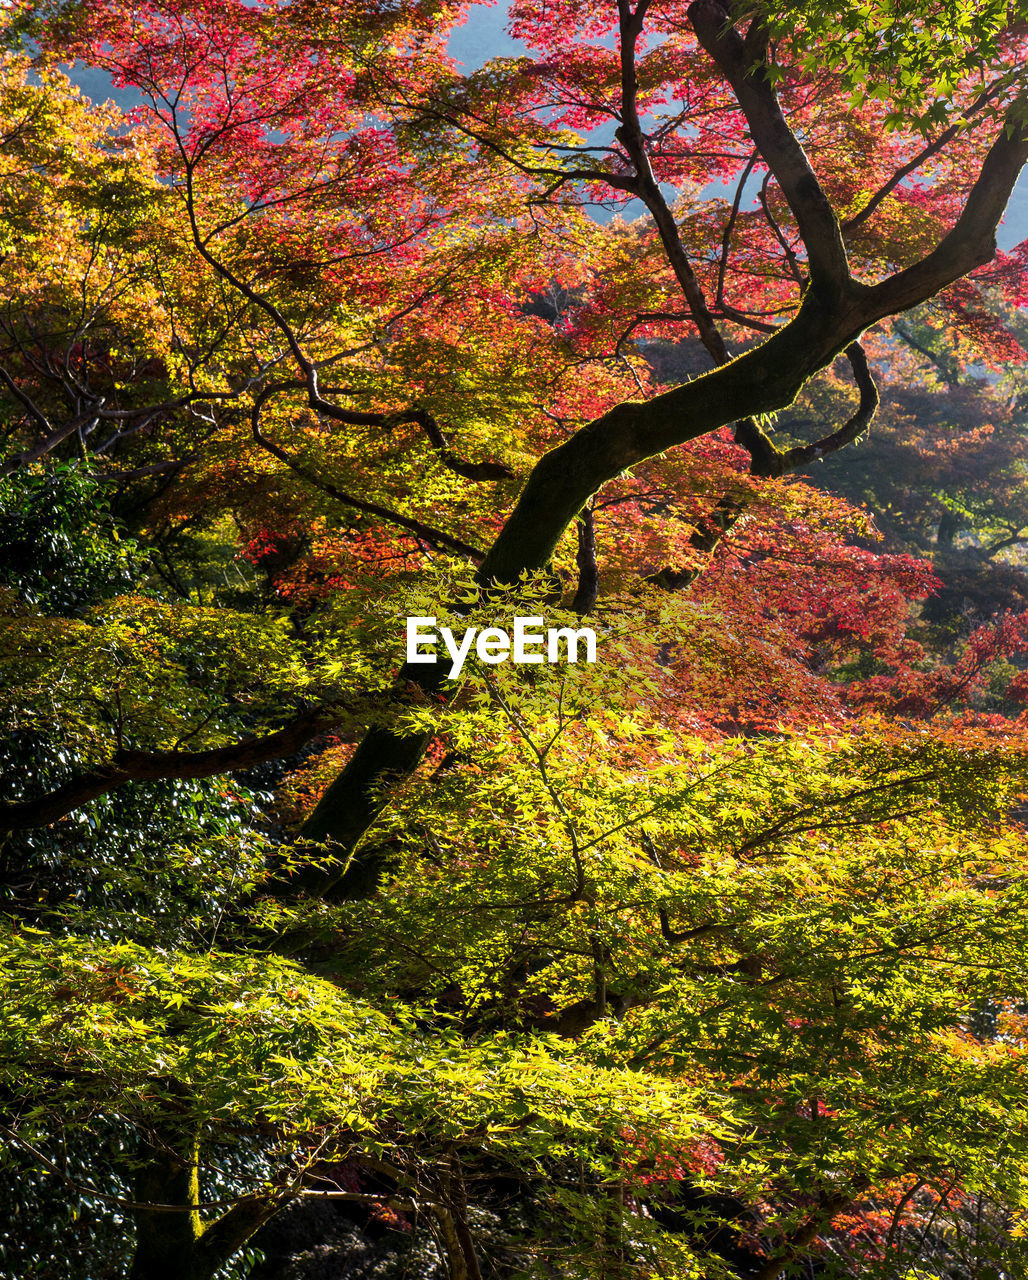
x: 674, y: 954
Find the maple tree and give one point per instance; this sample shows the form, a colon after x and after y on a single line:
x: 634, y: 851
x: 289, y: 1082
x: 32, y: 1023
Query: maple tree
x: 704, y: 961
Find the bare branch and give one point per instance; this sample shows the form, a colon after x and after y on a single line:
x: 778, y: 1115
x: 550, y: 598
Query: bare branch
x: 726, y: 235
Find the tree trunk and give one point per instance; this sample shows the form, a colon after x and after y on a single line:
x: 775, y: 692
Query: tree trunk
x: 172, y: 1243
x: 167, y: 1236
x: 949, y: 525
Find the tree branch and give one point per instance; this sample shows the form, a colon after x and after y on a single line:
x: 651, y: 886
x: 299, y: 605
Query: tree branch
x: 585, y: 560
x: 149, y: 766
x: 49, y: 442
x: 806, y: 1235
x: 220, y: 1239
x: 949, y: 372
x: 926, y: 153
x: 853, y: 427
x: 435, y: 537
x: 630, y: 134
x: 744, y: 65
x: 972, y: 241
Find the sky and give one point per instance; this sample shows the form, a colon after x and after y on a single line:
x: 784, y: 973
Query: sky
x: 483, y: 37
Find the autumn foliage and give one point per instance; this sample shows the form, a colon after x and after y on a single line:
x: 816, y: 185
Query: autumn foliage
x: 687, y: 323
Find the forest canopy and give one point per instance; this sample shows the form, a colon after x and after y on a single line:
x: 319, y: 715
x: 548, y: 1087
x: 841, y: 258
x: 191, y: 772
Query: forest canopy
x: 704, y: 961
